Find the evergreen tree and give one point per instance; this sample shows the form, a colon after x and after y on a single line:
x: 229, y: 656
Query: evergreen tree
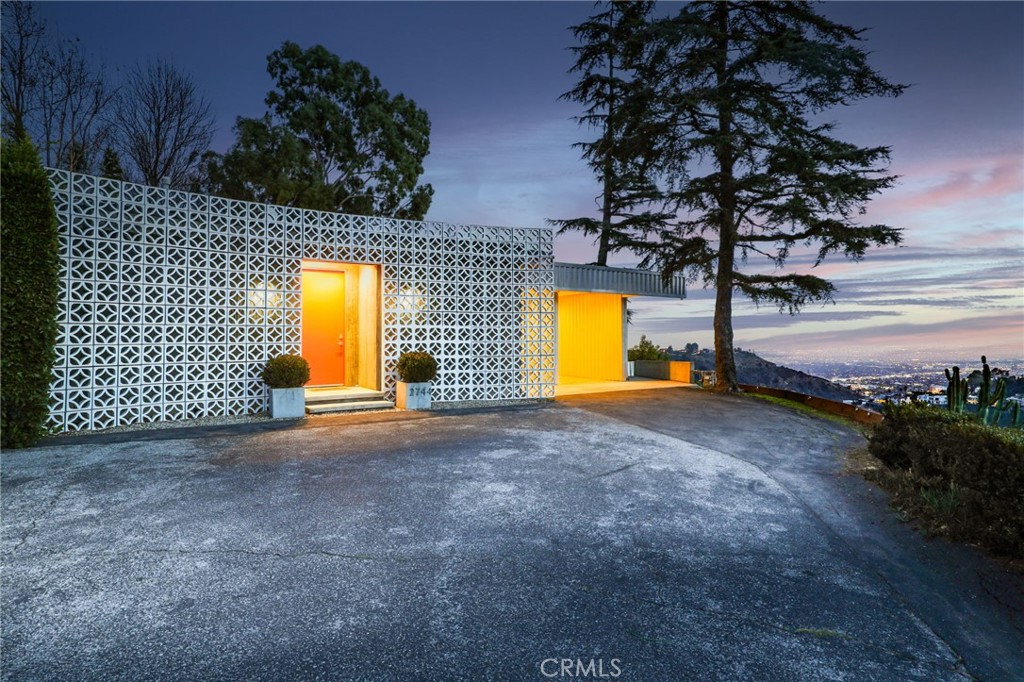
x: 333, y: 139
x: 611, y: 41
x: 269, y: 164
x: 29, y: 293
x: 110, y: 166
x: 745, y: 162
x: 645, y: 350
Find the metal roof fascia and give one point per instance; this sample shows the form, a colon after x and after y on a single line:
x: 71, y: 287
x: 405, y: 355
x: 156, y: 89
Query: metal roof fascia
x: 625, y: 281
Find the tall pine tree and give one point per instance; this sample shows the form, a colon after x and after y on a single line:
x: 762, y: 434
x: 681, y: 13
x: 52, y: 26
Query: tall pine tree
x: 110, y: 166
x: 747, y: 165
x: 333, y: 138
x: 611, y: 41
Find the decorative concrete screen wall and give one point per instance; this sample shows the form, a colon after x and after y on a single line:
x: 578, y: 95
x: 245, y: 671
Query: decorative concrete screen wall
x: 172, y: 302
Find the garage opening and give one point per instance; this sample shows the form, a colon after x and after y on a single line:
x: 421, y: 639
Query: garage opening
x: 591, y: 337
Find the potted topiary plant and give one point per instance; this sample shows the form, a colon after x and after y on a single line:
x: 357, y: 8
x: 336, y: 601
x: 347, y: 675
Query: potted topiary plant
x: 415, y: 372
x: 285, y: 375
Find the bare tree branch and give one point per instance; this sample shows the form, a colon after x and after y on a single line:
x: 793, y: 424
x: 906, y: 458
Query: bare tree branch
x: 164, y: 124
x: 22, y: 52
x: 75, y: 106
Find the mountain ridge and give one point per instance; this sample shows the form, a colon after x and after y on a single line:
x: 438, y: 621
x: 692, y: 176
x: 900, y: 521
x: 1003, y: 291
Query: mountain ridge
x: 754, y: 370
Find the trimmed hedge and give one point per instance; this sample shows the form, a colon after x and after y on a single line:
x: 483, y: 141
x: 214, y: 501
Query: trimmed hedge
x: 416, y: 367
x: 29, y: 290
x: 285, y: 371
x: 977, y: 469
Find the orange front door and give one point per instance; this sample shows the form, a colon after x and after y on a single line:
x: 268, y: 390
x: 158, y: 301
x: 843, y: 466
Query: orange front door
x: 323, y: 326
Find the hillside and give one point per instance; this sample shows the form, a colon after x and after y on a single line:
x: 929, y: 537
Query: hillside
x: 1014, y: 385
x: 753, y: 369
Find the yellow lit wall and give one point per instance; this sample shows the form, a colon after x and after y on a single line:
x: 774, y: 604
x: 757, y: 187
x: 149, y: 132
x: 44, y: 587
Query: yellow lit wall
x: 591, y: 343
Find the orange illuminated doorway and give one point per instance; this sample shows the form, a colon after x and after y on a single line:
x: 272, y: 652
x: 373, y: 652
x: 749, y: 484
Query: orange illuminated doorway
x: 323, y: 326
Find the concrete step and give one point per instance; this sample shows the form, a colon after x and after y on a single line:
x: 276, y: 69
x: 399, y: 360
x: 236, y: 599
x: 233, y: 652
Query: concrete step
x: 348, y: 406
x: 341, y: 394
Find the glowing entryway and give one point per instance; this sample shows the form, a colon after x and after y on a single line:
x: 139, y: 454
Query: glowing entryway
x: 340, y: 323
x: 323, y: 326
x: 591, y: 337
x: 590, y: 304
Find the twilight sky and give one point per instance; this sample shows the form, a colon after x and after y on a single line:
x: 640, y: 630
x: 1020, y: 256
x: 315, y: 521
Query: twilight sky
x: 489, y: 75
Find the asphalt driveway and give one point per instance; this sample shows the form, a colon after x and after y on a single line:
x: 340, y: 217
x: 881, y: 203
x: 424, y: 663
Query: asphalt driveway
x: 662, y: 535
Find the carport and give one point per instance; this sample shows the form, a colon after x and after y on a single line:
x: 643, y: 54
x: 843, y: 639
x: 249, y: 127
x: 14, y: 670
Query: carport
x: 590, y: 311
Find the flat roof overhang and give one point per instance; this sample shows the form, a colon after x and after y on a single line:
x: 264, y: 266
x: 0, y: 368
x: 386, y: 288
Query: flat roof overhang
x: 624, y: 281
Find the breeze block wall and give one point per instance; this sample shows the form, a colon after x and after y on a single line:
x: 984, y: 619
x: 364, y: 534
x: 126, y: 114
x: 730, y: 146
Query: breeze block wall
x: 171, y: 302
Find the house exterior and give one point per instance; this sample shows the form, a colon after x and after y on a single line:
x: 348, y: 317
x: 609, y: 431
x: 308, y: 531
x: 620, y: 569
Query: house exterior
x: 171, y: 303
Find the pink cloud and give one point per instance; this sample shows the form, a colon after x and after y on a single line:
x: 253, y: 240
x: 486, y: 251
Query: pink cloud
x: 997, y: 237
x: 955, y: 182
x: 1001, y: 332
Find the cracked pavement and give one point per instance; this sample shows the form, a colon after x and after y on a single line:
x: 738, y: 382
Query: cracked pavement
x: 681, y: 533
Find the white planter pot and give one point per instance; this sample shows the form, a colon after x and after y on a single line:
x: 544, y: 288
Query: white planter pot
x: 287, y: 403
x: 412, y: 396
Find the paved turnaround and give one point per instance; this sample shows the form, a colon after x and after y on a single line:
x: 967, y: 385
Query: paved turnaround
x: 662, y: 535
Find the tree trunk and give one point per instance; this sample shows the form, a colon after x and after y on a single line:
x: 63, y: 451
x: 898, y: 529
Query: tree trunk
x: 604, y: 240
x: 725, y: 361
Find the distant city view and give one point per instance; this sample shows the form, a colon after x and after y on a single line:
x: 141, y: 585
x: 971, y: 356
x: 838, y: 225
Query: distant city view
x: 875, y: 380
x: 881, y: 378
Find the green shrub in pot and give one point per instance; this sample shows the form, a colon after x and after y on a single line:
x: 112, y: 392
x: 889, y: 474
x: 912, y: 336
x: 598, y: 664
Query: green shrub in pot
x: 285, y: 375
x: 286, y: 371
x: 416, y: 367
x: 416, y: 370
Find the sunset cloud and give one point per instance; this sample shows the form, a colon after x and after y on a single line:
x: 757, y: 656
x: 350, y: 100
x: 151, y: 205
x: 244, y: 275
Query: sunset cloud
x: 501, y: 144
x: 776, y: 321
x: 997, y: 334
x: 823, y: 333
x: 952, y: 199
x: 976, y: 182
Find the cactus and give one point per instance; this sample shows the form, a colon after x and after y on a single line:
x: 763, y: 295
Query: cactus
x: 992, y: 402
x: 989, y: 412
x: 986, y: 383
x: 992, y: 413
x: 956, y: 391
